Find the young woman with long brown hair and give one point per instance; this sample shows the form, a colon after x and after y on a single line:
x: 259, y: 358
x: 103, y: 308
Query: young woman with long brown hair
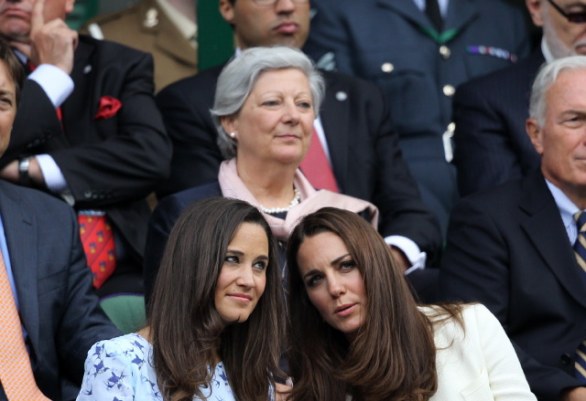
x: 215, y: 319
x: 357, y: 334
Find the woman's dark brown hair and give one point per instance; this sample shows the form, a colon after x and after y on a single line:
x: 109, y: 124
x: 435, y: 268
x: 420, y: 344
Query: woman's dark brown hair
x: 392, y: 356
x: 13, y: 66
x: 187, y: 332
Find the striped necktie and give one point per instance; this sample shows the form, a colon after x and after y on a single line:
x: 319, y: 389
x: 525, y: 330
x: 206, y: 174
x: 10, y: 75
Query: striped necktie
x: 580, y: 252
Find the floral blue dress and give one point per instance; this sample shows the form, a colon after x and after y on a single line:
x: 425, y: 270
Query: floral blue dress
x: 121, y: 369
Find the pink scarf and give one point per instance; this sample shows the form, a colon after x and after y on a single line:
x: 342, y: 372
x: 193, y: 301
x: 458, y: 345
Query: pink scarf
x: 311, y: 200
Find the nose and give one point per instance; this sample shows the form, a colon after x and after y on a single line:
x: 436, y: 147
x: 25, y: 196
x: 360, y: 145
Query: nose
x: 291, y: 115
x: 245, y: 277
x: 336, y: 287
x: 284, y: 5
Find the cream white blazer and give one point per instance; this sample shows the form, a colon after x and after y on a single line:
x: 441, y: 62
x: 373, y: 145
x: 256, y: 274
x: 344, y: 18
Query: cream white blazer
x: 477, y: 363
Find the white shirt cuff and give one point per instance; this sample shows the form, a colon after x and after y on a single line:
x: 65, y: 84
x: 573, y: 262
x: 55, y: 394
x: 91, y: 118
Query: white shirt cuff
x: 54, y: 81
x: 52, y: 174
x: 411, y: 251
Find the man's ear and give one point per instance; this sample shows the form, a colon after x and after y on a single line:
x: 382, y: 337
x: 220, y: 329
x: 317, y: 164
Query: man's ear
x: 227, y: 10
x: 535, y: 11
x: 535, y: 134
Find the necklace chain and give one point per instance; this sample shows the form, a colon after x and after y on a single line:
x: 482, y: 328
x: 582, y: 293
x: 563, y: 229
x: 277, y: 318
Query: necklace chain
x: 274, y: 210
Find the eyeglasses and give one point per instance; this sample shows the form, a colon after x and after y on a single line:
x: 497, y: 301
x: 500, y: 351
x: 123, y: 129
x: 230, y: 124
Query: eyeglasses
x: 272, y: 2
x: 576, y: 17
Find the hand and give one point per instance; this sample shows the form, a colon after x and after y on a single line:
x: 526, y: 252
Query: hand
x: 52, y: 42
x: 10, y: 172
x: 282, y: 391
x: 574, y: 394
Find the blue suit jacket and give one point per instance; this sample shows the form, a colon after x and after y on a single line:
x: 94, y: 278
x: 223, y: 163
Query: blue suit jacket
x: 58, y: 307
x: 491, y: 144
x: 508, y: 249
x: 391, y: 43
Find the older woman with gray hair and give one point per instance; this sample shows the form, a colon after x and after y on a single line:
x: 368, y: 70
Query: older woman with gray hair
x: 265, y: 104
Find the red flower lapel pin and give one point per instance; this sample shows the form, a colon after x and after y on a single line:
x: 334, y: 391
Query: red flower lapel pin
x: 108, y: 108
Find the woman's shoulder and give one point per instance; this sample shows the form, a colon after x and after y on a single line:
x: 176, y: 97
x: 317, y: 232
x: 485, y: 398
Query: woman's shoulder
x: 131, y: 340
x: 457, y: 322
x: 128, y: 346
x: 451, y: 312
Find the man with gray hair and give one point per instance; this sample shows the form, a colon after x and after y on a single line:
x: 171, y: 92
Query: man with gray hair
x: 520, y: 248
x: 491, y: 146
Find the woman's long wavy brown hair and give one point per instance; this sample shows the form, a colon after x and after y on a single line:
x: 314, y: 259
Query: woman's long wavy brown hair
x: 186, y: 330
x: 392, y: 356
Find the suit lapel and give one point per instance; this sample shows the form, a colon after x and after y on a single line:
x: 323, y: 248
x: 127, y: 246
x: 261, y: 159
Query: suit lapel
x: 461, y: 13
x: 75, y: 108
x: 547, y: 233
x: 407, y: 9
x: 335, y: 119
x: 21, y: 238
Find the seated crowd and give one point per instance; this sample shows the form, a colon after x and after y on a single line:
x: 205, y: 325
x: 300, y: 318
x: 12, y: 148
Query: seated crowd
x: 277, y: 228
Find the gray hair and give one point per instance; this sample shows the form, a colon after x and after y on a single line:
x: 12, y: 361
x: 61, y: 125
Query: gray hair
x: 239, y: 77
x: 546, y: 77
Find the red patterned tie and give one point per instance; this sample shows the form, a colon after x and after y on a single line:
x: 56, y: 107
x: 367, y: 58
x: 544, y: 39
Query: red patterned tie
x: 98, y: 243
x: 316, y: 167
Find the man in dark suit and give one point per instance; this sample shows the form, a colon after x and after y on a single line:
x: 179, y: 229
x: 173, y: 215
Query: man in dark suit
x: 88, y: 128
x: 395, y: 44
x: 491, y: 146
x: 362, y: 146
x: 43, y: 262
x: 511, y: 248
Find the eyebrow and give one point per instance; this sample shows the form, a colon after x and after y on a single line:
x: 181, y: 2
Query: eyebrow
x: 240, y: 253
x: 332, y: 263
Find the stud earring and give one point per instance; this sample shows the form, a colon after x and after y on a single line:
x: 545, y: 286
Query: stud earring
x: 232, y: 135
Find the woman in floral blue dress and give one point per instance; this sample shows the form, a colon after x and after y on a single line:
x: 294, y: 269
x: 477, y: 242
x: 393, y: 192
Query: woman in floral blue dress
x: 215, y: 317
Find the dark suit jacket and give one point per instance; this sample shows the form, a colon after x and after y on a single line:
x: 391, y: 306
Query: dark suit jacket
x: 390, y: 43
x: 491, y: 144
x: 109, y: 164
x: 366, y: 158
x: 508, y: 249
x: 58, y: 307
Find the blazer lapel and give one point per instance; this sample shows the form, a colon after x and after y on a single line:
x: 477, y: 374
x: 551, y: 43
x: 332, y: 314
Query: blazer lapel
x: 546, y: 231
x: 21, y: 238
x: 75, y: 108
x: 335, y: 119
x: 460, y: 14
x: 407, y: 9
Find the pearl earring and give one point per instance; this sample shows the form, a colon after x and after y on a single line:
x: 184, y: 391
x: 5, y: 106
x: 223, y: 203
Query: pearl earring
x: 232, y: 135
